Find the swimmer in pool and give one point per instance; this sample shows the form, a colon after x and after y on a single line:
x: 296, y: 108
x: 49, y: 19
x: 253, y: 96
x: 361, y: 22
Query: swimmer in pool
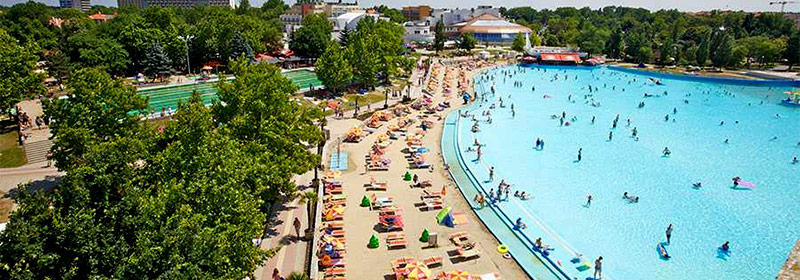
x: 697, y: 185
x: 726, y: 247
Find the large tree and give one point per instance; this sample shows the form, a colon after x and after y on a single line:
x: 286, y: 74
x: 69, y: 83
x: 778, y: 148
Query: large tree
x: 17, y: 77
x: 239, y: 46
x: 722, y: 51
x: 313, y: 37
x: 793, y: 50
x: 274, y: 130
x: 703, y: 49
x: 467, y: 42
x: 519, y: 43
x: 333, y: 69
x: 438, y: 36
x: 179, y: 203
x: 157, y: 63
x: 98, y: 110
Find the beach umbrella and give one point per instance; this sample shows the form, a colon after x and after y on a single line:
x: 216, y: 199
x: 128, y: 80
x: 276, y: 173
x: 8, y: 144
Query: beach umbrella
x: 457, y: 275
x: 415, y: 271
x: 442, y: 214
x: 333, y: 104
x: 338, y: 209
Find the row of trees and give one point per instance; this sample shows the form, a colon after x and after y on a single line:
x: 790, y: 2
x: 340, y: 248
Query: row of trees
x: 367, y: 55
x: 723, y: 39
x: 183, y: 201
x: 123, y: 46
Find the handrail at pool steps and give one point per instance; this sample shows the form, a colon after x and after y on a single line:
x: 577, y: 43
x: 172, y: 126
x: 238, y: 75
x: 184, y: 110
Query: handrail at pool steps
x: 496, y: 209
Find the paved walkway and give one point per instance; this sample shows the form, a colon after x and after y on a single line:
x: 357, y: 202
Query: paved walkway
x: 36, y: 171
x: 791, y: 269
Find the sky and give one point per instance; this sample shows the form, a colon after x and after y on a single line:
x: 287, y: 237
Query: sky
x: 683, y: 5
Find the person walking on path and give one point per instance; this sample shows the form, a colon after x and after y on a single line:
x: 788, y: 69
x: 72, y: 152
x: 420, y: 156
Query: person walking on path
x: 598, y: 268
x: 297, y: 225
x: 669, y: 232
x: 276, y: 275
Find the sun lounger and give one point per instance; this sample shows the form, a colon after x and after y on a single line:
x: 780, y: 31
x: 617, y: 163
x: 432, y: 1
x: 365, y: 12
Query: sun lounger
x: 433, y: 261
x: 467, y: 254
x: 401, y: 262
x: 338, y: 262
x: 390, y: 211
x: 397, y: 243
x: 335, y: 271
x: 373, y: 185
x: 336, y: 233
x: 335, y: 197
x: 420, y: 165
x: 431, y: 204
x: 331, y: 204
x: 397, y: 225
x: 427, y: 194
x: 378, y: 203
x: 335, y: 278
x: 378, y: 167
x: 333, y: 190
x: 459, y: 235
x: 334, y: 225
x: 425, y: 184
x: 395, y: 235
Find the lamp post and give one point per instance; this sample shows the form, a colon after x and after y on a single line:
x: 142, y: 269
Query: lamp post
x: 355, y: 113
x: 186, y: 39
x: 386, y: 99
x: 320, y: 147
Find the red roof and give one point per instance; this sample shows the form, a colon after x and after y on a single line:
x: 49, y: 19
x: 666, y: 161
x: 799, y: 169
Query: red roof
x: 560, y: 57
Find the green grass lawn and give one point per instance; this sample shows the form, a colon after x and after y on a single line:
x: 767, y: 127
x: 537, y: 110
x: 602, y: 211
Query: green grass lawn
x: 11, y: 153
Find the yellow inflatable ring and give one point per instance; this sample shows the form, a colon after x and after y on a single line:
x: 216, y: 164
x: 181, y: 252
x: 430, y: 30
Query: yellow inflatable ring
x: 502, y: 249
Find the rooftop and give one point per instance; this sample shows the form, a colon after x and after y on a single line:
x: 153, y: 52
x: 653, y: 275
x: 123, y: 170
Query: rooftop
x: 488, y: 23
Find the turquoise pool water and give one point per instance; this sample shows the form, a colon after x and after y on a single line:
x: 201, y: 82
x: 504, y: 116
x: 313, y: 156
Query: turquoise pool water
x: 761, y: 223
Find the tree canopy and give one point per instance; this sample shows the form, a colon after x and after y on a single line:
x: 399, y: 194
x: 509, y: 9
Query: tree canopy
x: 181, y: 202
x: 467, y: 42
x: 313, y: 37
x: 373, y: 50
x: 333, y: 68
x: 17, y: 77
x: 670, y: 36
x: 121, y: 45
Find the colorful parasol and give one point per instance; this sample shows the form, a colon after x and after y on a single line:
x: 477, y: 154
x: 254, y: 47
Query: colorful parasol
x: 457, y: 275
x: 416, y: 271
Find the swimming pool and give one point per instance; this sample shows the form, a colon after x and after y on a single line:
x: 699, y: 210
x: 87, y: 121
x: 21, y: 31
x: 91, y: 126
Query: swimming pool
x: 761, y: 223
x: 170, y: 96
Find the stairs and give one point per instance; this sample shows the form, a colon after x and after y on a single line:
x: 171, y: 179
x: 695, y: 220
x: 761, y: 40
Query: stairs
x: 37, y: 151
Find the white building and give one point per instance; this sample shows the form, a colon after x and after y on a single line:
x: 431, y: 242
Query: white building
x: 453, y: 16
x: 418, y: 31
x: 293, y: 18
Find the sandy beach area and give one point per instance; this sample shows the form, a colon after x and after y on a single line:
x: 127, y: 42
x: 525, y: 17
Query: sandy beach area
x: 361, y: 223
